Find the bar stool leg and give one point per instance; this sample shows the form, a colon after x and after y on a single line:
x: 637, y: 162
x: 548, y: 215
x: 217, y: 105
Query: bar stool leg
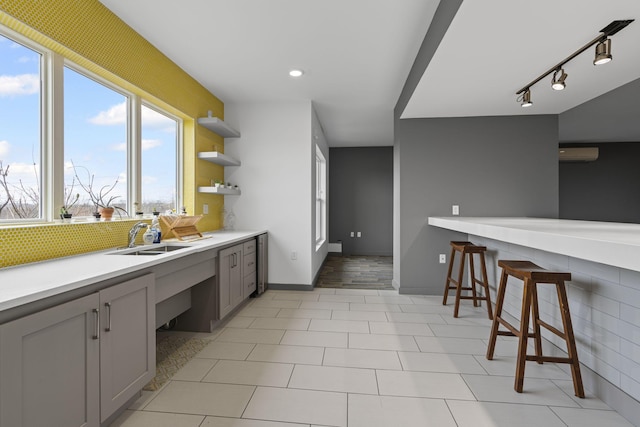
x: 524, y: 334
x: 498, y: 314
x: 535, y: 320
x: 449, y: 271
x: 578, y: 387
x: 485, y: 283
x: 472, y: 281
x: 459, y: 285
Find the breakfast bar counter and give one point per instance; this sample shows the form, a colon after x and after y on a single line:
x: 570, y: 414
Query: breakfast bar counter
x: 615, y: 244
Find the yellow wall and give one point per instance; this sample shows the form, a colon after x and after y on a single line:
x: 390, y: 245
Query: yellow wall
x: 90, y: 35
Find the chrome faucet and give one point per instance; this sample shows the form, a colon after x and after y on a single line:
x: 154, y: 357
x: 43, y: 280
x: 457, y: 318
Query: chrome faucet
x: 134, y: 232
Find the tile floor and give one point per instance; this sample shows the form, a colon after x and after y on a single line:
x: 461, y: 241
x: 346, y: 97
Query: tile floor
x: 360, y: 358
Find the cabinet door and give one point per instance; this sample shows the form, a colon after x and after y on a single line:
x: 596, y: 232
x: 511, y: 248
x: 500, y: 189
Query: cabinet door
x: 127, y: 341
x: 230, y: 284
x: 49, y: 367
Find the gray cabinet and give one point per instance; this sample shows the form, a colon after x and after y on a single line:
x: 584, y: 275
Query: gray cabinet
x: 230, y: 279
x: 127, y: 341
x: 75, y: 364
x: 249, y: 268
x: 49, y: 365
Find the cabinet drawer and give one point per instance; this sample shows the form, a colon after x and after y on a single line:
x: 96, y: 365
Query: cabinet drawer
x: 249, y: 263
x: 249, y: 247
x: 249, y: 284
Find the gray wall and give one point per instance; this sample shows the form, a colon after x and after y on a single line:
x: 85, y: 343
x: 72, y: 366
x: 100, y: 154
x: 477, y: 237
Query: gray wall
x: 490, y: 166
x: 605, y: 190
x: 361, y: 199
x: 612, y: 117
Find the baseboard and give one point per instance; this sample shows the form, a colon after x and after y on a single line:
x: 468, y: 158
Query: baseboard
x: 289, y: 287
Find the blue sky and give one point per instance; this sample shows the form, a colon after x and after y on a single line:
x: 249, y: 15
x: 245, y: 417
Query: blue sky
x: 95, y: 128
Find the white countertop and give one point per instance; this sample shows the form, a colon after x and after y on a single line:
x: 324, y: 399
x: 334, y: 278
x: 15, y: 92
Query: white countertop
x: 31, y: 282
x: 611, y: 243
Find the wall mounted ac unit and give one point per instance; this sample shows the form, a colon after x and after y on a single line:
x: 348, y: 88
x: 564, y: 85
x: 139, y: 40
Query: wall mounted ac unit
x: 578, y: 154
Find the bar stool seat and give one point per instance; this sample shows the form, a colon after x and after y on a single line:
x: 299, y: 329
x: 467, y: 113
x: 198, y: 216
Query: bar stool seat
x: 467, y: 249
x: 532, y: 275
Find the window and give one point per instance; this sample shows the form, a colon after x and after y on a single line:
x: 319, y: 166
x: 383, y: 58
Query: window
x: 95, y: 144
x: 321, y: 198
x: 20, y: 131
x: 111, y: 144
x: 160, y: 148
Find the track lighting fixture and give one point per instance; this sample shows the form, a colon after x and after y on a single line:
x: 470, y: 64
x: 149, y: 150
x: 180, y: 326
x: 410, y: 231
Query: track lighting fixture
x: 603, y: 52
x: 526, y: 99
x: 557, y: 83
x: 603, y: 55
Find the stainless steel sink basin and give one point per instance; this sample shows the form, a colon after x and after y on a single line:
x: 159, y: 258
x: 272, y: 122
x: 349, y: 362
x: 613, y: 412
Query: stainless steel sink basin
x: 153, y: 250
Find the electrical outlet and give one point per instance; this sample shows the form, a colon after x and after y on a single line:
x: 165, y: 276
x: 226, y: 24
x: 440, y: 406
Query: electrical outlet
x: 352, y: 234
x: 443, y: 258
x: 294, y: 255
x: 455, y: 210
x: 358, y: 234
x: 205, y: 209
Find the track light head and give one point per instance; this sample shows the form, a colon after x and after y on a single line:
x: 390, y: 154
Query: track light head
x: 526, y: 99
x: 603, y: 52
x: 558, y: 83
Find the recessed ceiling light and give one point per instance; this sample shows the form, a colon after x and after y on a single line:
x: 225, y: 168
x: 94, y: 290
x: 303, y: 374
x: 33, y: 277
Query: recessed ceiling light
x: 296, y: 73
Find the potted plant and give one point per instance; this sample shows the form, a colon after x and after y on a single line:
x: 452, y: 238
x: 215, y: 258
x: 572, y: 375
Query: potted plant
x: 65, y: 209
x: 218, y: 184
x: 155, y: 211
x: 101, y: 197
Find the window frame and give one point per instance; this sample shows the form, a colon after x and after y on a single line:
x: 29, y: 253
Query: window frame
x: 46, y: 75
x: 321, y: 198
x: 51, y: 148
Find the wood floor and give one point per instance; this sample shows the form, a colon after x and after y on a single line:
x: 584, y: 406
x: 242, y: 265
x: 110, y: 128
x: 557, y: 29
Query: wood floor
x: 356, y: 272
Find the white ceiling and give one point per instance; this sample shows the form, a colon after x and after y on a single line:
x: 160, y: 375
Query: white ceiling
x: 493, y: 48
x: 357, y: 54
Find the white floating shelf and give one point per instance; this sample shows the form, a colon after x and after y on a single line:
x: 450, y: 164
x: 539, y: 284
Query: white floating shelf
x: 218, y: 190
x: 218, y: 158
x: 216, y: 125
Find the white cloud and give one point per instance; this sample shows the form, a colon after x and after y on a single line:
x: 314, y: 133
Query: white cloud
x: 119, y: 147
x: 148, y: 144
x: 154, y: 119
x: 115, y: 115
x: 146, y: 179
x: 24, y: 59
x: 4, y: 148
x: 22, y: 84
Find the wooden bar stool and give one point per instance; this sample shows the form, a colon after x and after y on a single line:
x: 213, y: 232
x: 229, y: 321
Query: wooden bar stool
x: 532, y: 275
x: 467, y: 249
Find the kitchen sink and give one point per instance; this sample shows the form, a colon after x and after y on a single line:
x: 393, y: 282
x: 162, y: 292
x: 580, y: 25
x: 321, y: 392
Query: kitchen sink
x: 153, y: 250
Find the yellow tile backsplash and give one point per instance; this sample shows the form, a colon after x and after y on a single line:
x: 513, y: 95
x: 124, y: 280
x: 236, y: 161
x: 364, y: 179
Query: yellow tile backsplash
x: 31, y: 243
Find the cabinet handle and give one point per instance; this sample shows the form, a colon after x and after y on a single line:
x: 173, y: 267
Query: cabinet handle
x: 96, y: 314
x: 108, y: 307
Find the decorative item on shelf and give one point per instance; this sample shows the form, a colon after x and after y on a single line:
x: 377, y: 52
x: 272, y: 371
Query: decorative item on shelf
x: 229, y: 185
x: 183, y: 210
x: 155, y: 211
x: 236, y: 187
x: 218, y: 184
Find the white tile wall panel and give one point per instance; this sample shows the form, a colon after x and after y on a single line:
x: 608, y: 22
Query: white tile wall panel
x: 630, y: 278
x: 602, y: 271
x: 630, y: 368
x: 629, y: 332
x: 631, y: 387
x: 629, y: 314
